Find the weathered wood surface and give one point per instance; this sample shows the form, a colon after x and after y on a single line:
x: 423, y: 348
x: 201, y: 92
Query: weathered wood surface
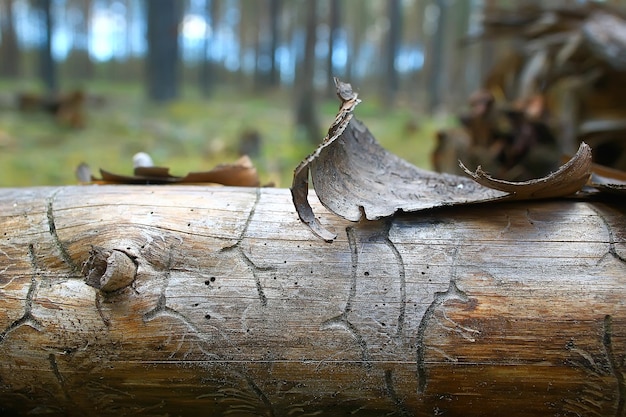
x: 237, y: 309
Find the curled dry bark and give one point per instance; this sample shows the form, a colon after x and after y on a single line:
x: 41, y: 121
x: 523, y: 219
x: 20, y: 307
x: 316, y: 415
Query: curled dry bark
x: 355, y: 178
x: 568, y: 179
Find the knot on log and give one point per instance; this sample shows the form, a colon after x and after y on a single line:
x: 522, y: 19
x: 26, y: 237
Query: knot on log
x: 109, y: 270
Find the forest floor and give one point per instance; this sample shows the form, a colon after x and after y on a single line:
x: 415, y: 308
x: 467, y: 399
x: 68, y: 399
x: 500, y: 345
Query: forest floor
x: 191, y: 134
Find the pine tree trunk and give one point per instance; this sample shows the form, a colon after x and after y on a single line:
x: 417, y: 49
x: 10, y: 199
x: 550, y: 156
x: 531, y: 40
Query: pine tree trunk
x: 190, y: 300
x: 9, y: 48
x: 162, y: 58
x: 47, y: 64
x: 391, y: 79
x: 307, y: 123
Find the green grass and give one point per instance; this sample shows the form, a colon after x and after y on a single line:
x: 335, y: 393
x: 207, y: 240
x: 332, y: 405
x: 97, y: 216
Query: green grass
x: 192, y: 134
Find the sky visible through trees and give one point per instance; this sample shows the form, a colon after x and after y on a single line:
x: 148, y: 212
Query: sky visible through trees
x: 266, y: 37
x: 390, y: 46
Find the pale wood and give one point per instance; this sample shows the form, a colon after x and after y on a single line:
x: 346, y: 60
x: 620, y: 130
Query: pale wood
x: 237, y: 309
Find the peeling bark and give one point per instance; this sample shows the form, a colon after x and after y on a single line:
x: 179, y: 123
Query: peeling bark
x: 567, y: 180
x: 356, y: 178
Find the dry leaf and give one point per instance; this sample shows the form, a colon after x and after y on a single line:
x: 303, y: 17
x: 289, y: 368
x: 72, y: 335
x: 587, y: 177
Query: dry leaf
x: 142, y: 175
x: 242, y: 173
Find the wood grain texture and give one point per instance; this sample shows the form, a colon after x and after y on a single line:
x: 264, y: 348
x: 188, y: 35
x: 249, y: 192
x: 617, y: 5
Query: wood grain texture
x: 510, y: 309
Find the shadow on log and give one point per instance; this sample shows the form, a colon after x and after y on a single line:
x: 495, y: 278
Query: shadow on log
x: 236, y: 308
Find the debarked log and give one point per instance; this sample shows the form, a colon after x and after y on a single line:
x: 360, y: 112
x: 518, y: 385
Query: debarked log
x: 190, y: 300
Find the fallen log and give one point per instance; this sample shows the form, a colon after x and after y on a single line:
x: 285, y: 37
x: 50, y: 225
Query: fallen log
x: 189, y: 300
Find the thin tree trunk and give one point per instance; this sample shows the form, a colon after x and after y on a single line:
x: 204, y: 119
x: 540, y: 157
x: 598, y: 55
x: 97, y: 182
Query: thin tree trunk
x: 47, y: 66
x: 334, y: 23
x: 306, y: 112
x: 487, y: 49
x: 417, y: 38
x: 473, y: 77
x: 275, y: 10
x: 457, y: 56
x: 163, y: 17
x: 259, y: 27
x: 436, y: 59
x: 79, y: 65
x: 9, y: 49
x: 394, y: 35
x: 242, y: 31
x: 208, y: 73
x: 357, y: 19
x: 218, y: 301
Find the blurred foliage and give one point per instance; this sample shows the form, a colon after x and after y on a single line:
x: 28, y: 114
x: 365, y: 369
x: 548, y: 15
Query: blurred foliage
x: 191, y: 134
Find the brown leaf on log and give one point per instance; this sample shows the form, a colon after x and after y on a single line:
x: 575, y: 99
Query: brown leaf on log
x: 242, y: 173
x: 355, y: 178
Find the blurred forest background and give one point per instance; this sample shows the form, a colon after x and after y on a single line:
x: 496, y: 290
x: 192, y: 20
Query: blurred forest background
x: 199, y: 82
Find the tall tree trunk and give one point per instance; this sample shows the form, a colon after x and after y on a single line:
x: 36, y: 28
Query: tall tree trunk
x: 275, y: 10
x: 208, y: 73
x: 260, y: 46
x: 306, y: 112
x: 473, y: 76
x: 162, y: 59
x: 218, y: 301
x: 292, y: 23
x: 357, y: 18
x: 47, y: 66
x: 419, y: 39
x: 9, y: 49
x: 334, y: 24
x: 487, y: 50
x: 246, y: 35
x: 436, y: 76
x: 79, y: 62
x: 393, y: 45
x: 457, y: 57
